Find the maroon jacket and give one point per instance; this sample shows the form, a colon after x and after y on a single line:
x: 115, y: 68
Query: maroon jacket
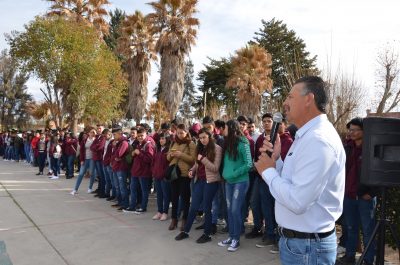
x: 160, y: 164
x: 107, y: 156
x: 118, y: 162
x: 252, y: 144
x: 71, y: 146
x: 142, y: 162
x: 97, y: 147
x: 286, y: 143
x: 82, y: 151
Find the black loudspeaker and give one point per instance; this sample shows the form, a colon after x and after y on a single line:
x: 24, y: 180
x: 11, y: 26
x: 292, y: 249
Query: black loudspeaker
x: 381, y: 152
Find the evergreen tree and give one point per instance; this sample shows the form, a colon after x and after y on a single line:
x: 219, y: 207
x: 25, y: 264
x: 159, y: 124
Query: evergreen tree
x: 186, y: 108
x: 116, y: 18
x: 290, y: 59
x: 214, y: 92
x: 14, y: 98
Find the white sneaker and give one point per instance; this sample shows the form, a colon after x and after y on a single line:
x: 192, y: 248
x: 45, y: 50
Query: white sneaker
x: 51, y: 176
x: 73, y: 192
x: 89, y: 191
x: 54, y: 177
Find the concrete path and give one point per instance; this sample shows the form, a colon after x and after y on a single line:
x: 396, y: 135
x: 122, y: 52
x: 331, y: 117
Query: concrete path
x: 42, y: 224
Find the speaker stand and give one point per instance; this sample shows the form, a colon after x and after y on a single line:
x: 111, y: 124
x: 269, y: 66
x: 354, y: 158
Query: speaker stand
x: 380, y: 231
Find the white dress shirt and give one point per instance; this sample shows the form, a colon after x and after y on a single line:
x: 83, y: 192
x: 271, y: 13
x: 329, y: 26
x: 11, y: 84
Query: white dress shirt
x: 309, y: 186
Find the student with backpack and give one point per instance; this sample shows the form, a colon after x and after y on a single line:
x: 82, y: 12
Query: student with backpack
x: 141, y: 171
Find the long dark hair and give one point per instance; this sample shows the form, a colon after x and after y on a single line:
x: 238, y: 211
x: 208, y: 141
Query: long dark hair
x: 232, y: 140
x: 167, y: 139
x: 209, y: 150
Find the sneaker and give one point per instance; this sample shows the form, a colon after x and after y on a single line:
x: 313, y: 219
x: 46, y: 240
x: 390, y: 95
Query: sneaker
x: 73, y: 192
x: 115, y: 205
x: 225, y: 242
x: 234, y: 245
x: 157, y: 216
x: 203, y: 239
x: 182, y: 235
x: 50, y: 174
x: 274, y: 249
x: 40, y: 173
x: 54, y: 177
x: 128, y: 210
x: 345, y: 260
x: 120, y: 209
x: 265, y: 242
x: 254, y: 233
x: 164, y: 217
x: 140, y: 211
x: 221, y: 222
x: 89, y: 191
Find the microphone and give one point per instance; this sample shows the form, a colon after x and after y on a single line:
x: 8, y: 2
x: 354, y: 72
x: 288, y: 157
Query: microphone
x: 277, y: 118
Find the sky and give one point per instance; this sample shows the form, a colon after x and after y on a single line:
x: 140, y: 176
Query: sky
x: 349, y: 33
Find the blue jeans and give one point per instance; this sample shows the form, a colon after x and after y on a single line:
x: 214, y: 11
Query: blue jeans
x: 27, y: 149
x: 70, y: 166
x: 255, y: 203
x: 235, y: 197
x: 163, y: 189
x: 16, y: 153
x: 267, y: 208
x: 88, y: 165
x: 203, y: 193
x: 55, y: 164
x: 123, y: 200
x: 102, y: 183
x: 219, y: 204
x: 356, y: 213
x: 308, y: 251
x: 109, y: 181
x: 144, y: 183
x: 9, y: 153
x: 115, y: 181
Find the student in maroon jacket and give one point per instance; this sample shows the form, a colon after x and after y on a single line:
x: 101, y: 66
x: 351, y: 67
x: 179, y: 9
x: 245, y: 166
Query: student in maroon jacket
x: 159, y: 169
x: 71, y: 146
x: 108, y: 175
x: 120, y: 167
x: 141, y: 170
x: 286, y: 139
x: 97, y: 149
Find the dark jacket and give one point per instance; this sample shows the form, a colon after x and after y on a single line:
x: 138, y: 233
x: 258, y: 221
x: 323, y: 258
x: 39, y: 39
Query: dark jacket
x: 70, y: 147
x: 353, y: 187
x: 142, y: 162
x: 97, y: 147
x: 107, y: 155
x: 286, y: 143
x: 160, y: 164
x: 118, y: 162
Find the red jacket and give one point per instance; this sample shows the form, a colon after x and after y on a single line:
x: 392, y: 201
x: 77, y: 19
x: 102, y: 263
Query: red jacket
x: 160, y: 164
x: 286, y: 143
x: 252, y: 144
x: 107, y: 156
x: 142, y: 163
x: 97, y: 147
x: 118, y: 162
x: 71, y: 146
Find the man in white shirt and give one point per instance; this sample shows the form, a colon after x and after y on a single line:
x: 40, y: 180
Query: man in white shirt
x: 309, y: 186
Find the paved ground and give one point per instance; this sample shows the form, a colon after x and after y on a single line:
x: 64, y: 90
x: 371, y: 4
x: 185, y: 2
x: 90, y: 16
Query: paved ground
x: 42, y: 224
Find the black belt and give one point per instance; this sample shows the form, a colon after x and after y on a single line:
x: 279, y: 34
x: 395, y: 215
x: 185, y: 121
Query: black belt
x: 288, y: 233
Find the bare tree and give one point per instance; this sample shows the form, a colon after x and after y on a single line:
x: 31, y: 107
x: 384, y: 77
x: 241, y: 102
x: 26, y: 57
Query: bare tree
x: 345, y: 96
x: 387, y: 73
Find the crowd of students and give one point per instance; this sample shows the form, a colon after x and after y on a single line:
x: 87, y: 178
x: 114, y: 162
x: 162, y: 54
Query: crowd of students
x: 214, y: 165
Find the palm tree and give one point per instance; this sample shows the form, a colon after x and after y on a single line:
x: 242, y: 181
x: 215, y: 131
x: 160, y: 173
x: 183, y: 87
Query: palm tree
x: 90, y: 11
x: 251, y: 75
x: 137, y: 45
x: 174, y: 22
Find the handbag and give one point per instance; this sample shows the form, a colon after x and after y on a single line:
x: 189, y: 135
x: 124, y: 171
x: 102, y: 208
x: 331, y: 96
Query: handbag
x: 173, y: 171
